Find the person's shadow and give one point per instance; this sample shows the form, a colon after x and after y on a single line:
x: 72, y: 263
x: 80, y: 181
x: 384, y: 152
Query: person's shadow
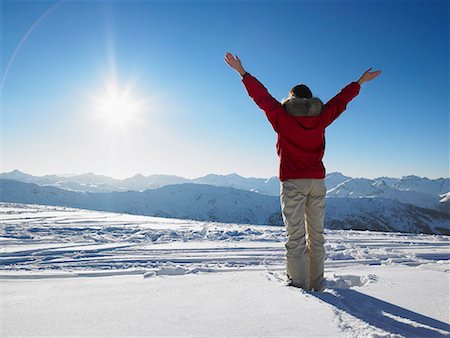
x: 383, y: 315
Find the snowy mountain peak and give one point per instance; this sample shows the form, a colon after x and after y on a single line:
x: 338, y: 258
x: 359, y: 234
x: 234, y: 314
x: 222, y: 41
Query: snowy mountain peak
x: 272, y: 179
x: 138, y: 176
x: 88, y: 174
x: 412, y: 177
x: 16, y: 172
x: 337, y: 174
x: 380, y: 183
x: 334, y: 179
x: 17, y: 175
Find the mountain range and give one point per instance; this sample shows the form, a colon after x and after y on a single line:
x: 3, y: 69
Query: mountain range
x: 226, y: 204
x: 90, y: 182
x: 418, y: 191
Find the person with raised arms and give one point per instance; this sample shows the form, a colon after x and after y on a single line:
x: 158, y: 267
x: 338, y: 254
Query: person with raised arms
x: 300, y: 122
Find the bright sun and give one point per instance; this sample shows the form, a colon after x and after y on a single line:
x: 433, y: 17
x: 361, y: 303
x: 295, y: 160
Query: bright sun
x: 117, y: 107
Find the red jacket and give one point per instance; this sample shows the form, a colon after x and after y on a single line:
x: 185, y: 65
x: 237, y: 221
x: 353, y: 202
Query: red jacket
x: 301, y: 139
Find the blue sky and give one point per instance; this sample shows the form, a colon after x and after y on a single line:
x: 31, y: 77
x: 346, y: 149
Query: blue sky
x: 191, y: 113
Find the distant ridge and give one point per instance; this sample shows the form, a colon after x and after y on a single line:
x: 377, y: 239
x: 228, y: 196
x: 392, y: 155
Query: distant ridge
x: 411, y: 189
x: 224, y: 204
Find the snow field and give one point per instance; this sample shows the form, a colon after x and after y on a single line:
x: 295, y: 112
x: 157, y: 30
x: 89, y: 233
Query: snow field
x: 69, y: 272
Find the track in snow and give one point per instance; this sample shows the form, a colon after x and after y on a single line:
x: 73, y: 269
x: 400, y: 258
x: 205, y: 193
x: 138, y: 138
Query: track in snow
x: 57, y: 240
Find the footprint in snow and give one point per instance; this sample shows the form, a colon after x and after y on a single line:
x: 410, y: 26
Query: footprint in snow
x: 332, y: 282
x: 348, y: 281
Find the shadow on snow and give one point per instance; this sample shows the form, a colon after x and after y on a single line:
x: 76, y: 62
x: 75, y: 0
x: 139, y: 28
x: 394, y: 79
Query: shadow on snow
x: 383, y: 315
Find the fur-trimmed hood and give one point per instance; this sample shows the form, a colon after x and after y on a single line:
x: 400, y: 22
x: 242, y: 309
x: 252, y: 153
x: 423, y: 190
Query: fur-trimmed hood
x: 295, y: 106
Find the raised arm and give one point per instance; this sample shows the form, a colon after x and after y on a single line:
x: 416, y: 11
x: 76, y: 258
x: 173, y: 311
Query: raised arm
x: 368, y: 76
x: 256, y: 91
x: 235, y: 63
x: 333, y: 108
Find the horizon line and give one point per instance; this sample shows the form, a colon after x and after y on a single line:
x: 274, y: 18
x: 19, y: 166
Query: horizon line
x: 197, y: 177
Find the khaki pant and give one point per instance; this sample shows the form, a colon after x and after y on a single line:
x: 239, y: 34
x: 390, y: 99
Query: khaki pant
x: 303, y: 209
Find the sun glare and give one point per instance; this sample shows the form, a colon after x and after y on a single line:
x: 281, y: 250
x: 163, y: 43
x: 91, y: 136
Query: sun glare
x: 116, y: 107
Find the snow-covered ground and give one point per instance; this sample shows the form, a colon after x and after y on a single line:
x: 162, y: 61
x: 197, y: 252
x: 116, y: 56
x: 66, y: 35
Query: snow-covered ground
x: 71, y: 272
